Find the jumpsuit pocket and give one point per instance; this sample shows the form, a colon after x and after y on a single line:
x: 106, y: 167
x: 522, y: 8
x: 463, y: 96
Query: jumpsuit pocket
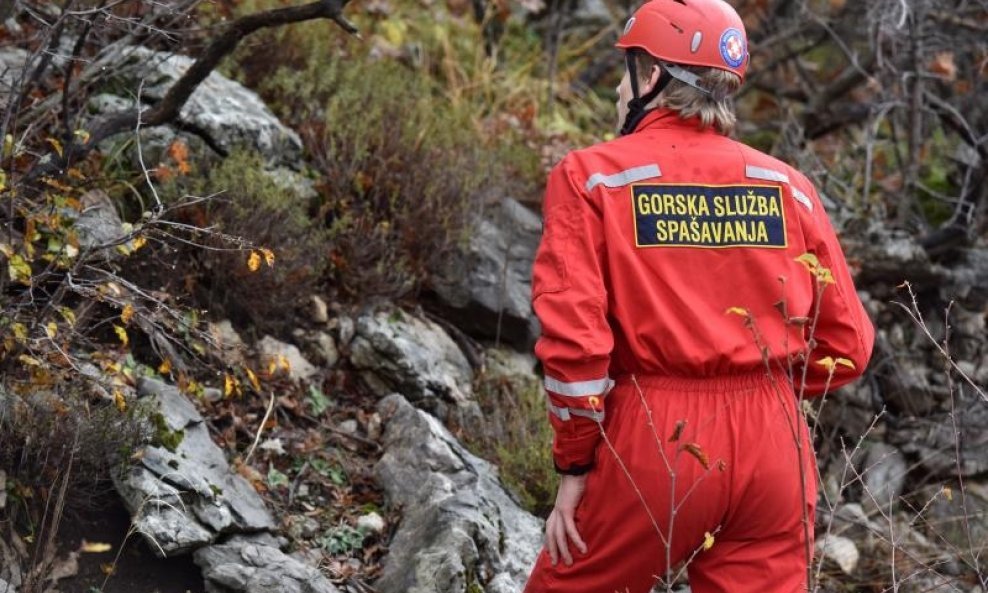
x: 550, y: 273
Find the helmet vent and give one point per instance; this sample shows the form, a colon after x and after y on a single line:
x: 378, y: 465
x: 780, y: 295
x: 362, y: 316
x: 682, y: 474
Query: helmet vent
x: 677, y: 28
x: 695, y: 44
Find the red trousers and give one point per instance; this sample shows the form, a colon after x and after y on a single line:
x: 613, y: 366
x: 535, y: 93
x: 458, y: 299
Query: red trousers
x: 736, y: 476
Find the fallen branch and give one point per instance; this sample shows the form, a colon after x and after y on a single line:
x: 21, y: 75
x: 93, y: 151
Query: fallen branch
x: 168, y: 109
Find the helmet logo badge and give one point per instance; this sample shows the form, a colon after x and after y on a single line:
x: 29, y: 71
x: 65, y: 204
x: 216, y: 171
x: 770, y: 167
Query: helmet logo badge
x: 732, y: 48
x: 695, y: 44
x: 627, y: 27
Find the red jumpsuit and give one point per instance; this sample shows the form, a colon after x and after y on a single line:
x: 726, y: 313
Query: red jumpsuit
x: 648, y: 241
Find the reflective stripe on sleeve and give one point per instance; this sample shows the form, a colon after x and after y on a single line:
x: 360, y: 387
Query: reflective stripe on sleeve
x: 802, y: 199
x: 765, y: 174
x: 566, y: 414
x: 624, y: 177
x: 579, y: 388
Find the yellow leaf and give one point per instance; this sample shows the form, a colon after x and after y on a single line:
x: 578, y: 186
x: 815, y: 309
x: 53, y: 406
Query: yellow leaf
x: 29, y: 360
x: 95, y: 547
x: 8, y: 145
x: 737, y: 311
x: 696, y: 451
x: 138, y: 242
x: 119, y: 400
x: 56, y: 145
x: 3, y: 181
x: 7, y: 250
x: 708, y: 541
x: 122, y: 335
x: 254, y: 261
x: 825, y: 275
x: 82, y: 135
x: 19, y: 270
x: 810, y: 261
x: 20, y: 331
x: 253, y: 380
x: 394, y: 31
x: 284, y: 364
x: 165, y: 368
x: 127, y: 314
x: 231, y: 386
x: 51, y: 329
x: 268, y: 256
x: 827, y: 363
x: 948, y: 493
x: 68, y: 315
x: 845, y: 362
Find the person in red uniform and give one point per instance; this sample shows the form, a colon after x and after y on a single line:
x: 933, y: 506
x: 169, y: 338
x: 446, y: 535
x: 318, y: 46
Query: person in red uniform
x: 682, y: 320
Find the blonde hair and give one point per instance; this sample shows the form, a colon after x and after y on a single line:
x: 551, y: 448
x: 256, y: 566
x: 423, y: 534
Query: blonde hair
x: 715, y: 109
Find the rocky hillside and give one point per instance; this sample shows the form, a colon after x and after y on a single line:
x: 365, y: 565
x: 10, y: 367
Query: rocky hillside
x: 272, y: 332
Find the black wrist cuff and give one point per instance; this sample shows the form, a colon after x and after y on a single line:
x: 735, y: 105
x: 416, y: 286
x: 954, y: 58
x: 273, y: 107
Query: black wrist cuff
x: 573, y: 470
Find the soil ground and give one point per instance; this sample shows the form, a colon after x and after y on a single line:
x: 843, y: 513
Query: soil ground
x: 137, y: 571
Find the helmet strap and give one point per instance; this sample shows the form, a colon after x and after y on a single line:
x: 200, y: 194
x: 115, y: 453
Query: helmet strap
x: 637, y: 105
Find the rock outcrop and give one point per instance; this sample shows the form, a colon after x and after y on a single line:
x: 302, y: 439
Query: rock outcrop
x: 224, y: 113
x: 398, y: 351
x: 255, y: 564
x: 460, y: 530
x: 486, y: 289
x: 182, y: 493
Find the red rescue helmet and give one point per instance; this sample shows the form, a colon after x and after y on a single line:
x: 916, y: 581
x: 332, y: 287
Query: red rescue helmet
x: 689, y: 32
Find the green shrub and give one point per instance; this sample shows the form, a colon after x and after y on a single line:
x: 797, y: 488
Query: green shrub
x: 245, y: 208
x: 518, y: 437
x: 405, y: 173
x: 53, y: 430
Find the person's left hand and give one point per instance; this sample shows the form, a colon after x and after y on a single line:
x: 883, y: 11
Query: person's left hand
x: 561, y: 526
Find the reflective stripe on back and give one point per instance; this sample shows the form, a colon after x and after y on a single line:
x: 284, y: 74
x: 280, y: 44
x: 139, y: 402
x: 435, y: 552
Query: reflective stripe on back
x: 802, y: 199
x: 765, y: 174
x: 624, y: 177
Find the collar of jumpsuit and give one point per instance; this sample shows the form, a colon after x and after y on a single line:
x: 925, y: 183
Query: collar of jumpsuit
x: 666, y: 119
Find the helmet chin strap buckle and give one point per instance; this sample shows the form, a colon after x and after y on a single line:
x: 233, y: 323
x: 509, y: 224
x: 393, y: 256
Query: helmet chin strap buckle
x: 684, y: 76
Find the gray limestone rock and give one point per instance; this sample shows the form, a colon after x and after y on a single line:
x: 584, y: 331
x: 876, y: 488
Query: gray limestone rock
x: 461, y: 529
x: 12, y: 62
x: 299, y: 369
x: 398, y: 351
x: 883, y: 470
x: 839, y: 550
x: 229, y: 346
x: 224, y: 111
x: 98, y: 224
x: 186, y: 496
x: 932, y: 440
x: 486, y: 290
x: 248, y: 564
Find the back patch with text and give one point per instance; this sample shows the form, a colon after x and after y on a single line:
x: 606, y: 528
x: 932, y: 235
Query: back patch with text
x: 708, y: 216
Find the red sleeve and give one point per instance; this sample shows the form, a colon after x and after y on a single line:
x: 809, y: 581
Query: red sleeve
x: 843, y: 329
x: 570, y: 300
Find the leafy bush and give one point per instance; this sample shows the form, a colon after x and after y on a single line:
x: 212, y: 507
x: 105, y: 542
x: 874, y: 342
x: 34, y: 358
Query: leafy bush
x: 518, y: 438
x: 404, y: 172
x: 246, y: 207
